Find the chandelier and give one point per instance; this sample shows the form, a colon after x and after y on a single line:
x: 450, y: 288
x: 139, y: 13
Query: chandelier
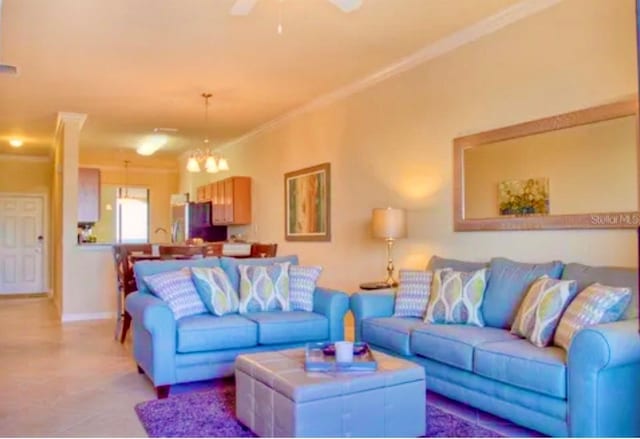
x: 212, y: 162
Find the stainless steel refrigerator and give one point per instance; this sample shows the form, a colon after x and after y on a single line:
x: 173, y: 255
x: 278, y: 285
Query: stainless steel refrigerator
x: 193, y: 220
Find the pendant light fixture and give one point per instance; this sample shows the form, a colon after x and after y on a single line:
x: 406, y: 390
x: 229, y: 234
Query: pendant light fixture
x: 205, y: 155
x: 124, y: 197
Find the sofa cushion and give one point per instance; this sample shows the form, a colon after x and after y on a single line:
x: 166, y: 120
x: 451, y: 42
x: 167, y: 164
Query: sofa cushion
x: 541, y: 309
x: 521, y: 364
x: 437, y: 263
x: 230, y: 266
x: 302, y: 285
x: 207, y: 332
x: 413, y: 293
x: 456, y: 297
x: 264, y: 288
x: 453, y: 344
x: 585, y: 275
x: 215, y: 290
x: 290, y: 327
x: 594, y: 305
x: 177, y: 290
x: 391, y: 333
x: 507, y: 286
x: 148, y: 268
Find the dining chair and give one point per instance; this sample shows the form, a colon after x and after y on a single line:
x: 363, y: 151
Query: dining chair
x: 212, y: 249
x: 128, y: 280
x: 264, y: 250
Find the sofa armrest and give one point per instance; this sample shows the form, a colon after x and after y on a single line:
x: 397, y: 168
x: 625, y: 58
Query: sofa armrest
x: 369, y: 305
x: 154, y: 336
x: 334, y: 305
x: 604, y: 380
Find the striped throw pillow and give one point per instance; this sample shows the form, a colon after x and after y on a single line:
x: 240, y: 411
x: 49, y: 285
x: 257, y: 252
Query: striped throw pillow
x: 215, y: 290
x: 594, y: 305
x: 177, y: 290
x: 540, y: 311
x: 302, y: 284
x: 413, y: 293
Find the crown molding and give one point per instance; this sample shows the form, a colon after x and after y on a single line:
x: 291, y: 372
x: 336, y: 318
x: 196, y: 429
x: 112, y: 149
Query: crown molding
x: 25, y: 158
x: 486, y: 26
x: 130, y: 169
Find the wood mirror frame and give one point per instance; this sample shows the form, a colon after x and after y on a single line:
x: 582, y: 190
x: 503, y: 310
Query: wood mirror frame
x: 596, y: 220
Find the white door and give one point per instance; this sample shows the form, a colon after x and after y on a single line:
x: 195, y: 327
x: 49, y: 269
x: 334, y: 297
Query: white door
x: 21, y: 253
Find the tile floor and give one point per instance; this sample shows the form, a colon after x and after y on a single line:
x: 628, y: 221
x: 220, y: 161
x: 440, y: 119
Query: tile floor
x: 76, y: 380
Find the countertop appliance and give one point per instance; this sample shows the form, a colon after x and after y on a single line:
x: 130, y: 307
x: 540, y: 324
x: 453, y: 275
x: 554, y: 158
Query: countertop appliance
x: 193, y: 220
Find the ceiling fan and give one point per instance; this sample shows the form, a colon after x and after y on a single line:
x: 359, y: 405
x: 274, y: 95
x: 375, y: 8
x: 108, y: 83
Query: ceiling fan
x: 5, y: 68
x: 244, y: 7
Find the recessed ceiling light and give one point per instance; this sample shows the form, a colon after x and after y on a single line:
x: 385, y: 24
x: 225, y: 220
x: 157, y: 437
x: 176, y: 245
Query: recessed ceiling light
x: 15, y: 143
x: 152, y: 144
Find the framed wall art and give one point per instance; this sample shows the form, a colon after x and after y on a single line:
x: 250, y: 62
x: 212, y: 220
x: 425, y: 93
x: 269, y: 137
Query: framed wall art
x: 307, y: 199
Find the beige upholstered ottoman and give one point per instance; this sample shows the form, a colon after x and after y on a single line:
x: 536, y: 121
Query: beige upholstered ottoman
x: 275, y: 396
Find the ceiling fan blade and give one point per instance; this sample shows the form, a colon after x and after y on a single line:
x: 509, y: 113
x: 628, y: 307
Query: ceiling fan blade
x: 347, y: 5
x: 242, y: 7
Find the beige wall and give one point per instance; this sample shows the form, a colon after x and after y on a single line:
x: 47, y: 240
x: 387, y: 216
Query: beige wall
x: 25, y: 175
x: 391, y: 145
x: 591, y: 168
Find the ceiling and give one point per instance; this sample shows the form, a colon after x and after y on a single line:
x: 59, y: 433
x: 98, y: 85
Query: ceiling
x: 133, y: 66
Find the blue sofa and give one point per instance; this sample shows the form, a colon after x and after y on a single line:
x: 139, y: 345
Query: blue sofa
x: 205, y: 346
x: 593, y: 390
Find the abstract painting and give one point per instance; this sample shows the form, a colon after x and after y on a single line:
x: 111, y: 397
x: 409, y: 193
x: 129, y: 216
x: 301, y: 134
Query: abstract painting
x: 524, y: 197
x: 307, y: 204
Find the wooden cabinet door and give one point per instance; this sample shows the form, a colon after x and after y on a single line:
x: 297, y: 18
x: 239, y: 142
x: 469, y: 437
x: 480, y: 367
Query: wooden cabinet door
x: 240, y: 200
x: 88, y: 195
x: 228, y: 200
x: 218, y: 204
x: 207, y: 193
x: 200, y: 194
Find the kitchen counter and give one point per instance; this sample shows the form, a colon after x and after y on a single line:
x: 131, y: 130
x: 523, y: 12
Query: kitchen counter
x: 228, y: 248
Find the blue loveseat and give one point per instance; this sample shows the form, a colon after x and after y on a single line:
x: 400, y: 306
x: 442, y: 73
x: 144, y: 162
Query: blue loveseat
x: 593, y: 390
x: 205, y: 346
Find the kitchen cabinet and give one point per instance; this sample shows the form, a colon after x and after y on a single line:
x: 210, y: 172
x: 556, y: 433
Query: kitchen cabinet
x: 237, y: 200
x: 217, y: 210
x: 200, y: 194
x: 208, y: 196
x: 230, y: 200
x: 88, y: 195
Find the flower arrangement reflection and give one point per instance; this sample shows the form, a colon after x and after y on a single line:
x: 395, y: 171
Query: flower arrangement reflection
x: 524, y: 197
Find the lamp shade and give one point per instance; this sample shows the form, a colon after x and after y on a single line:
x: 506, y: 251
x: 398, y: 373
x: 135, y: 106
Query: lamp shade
x: 389, y: 223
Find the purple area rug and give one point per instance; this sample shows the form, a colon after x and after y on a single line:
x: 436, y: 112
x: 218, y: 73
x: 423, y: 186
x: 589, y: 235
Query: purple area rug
x: 211, y: 413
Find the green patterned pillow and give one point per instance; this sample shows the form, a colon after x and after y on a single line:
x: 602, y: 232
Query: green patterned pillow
x: 264, y: 288
x: 456, y: 297
x: 541, y: 309
x: 215, y: 290
x: 594, y: 305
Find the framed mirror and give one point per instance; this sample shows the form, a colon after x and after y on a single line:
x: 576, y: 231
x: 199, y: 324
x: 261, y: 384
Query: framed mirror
x: 576, y: 170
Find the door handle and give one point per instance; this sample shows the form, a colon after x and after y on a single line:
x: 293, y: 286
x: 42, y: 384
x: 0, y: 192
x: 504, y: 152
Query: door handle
x: 40, y: 238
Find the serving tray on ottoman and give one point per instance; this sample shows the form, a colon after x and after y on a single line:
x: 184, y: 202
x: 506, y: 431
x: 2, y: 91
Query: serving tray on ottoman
x: 321, y: 357
x: 276, y: 397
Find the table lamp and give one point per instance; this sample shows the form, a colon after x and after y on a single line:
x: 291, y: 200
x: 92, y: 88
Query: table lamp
x: 390, y: 224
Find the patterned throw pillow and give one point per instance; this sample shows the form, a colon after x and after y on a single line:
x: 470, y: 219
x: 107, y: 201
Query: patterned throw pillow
x: 264, y: 288
x: 594, y: 305
x: 302, y: 284
x: 413, y: 293
x: 541, y: 309
x: 456, y: 297
x: 178, y: 291
x: 215, y: 290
